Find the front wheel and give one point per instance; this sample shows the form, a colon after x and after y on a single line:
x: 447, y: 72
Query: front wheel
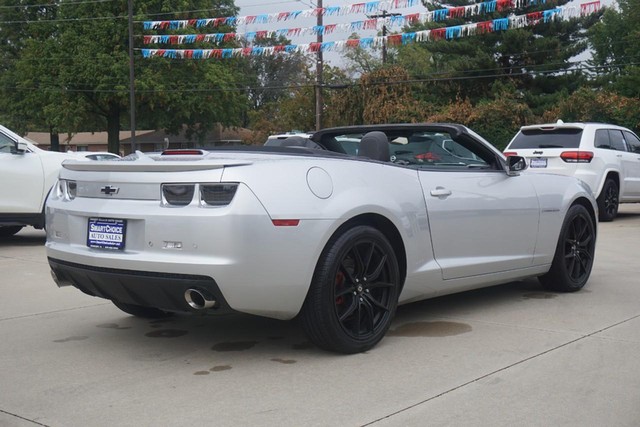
x: 573, y: 260
x: 608, y: 201
x: 141, y: 311
x: 354, y: 292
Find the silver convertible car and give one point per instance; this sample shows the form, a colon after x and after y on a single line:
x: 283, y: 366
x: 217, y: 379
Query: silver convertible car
x: 335, y: 235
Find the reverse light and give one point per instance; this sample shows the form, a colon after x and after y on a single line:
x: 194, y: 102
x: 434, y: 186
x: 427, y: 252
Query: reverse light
x: 66, y: 189
x: 177, y: 194
x: 217, y: 194
x: 577, y: 156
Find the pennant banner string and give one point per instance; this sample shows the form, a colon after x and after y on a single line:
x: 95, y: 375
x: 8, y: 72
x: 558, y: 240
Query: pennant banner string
x: 370, y: 24
x: 444, y: 33
x: 366, y: 7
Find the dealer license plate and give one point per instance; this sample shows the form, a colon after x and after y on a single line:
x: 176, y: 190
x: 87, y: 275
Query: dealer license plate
x: 538, y: 162
x: 106, y: 233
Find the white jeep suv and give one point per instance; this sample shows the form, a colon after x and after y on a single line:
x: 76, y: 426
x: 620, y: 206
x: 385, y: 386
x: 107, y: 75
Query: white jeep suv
x: 27, y: 173
x: 606, y: 157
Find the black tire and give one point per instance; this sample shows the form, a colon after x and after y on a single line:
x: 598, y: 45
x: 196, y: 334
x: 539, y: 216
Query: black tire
x: 608, y: 201
x: 354, y: 292
x: 141, y: 311
x: 10, y: 230
x: 573, y: 260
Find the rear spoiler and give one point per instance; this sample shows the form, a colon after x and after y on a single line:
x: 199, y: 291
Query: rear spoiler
x: 144, y: 163
x: 554, y: 126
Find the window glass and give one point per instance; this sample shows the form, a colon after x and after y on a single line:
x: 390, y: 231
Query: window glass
x: 422, y: 149
x: 632, y: 141
x: 6, y: 143
x: 617, y: 141
x: 602, y: 139
x: 554, y: 138
x: 349, y: 143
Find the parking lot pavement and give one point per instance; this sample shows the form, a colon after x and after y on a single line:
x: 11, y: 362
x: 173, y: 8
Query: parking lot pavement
x: 502, y: 356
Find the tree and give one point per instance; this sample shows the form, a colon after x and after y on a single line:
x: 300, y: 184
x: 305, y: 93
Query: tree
x: 360, y: 61
x: 381, y: 96
x: 535, y: 59
x: 88, y: 53
x: 25, y: 79
x: 615, y: 48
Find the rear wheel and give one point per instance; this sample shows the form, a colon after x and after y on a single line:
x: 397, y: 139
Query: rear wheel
x: 608, y: 201
x: 9, y: 231
x: 354, y: 292
x: 141, y: 311
x: 573, y: 260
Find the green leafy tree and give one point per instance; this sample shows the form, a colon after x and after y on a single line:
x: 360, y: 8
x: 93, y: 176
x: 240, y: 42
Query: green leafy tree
x: 615, y: 48
x: 86, y: 54
x: 26, y: 72
x: 535, y: 59
x: 359, y: 61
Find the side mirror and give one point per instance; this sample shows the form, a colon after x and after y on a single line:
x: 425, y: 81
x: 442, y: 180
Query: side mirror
x: 19, y: 147
x: 515, y: 165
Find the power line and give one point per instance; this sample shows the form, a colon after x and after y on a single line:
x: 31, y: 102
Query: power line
x: 327, y: 86
x: 566, y: 66
x: 24, y: 6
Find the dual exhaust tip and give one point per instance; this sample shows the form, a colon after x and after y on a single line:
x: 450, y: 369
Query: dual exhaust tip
x: 199, y: 300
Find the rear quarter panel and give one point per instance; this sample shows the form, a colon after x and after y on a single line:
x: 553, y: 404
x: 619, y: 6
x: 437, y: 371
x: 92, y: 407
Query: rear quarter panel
x: 358, y: 187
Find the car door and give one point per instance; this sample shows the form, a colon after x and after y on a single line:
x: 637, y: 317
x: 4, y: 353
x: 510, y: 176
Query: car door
x: 21, y: 178
x: 482, y: 221
x: 632, y: 165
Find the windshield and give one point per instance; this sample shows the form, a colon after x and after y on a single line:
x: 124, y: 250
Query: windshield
x: 539, y: 138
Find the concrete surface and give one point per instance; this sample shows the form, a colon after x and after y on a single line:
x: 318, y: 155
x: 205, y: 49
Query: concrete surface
x: 502, y: 356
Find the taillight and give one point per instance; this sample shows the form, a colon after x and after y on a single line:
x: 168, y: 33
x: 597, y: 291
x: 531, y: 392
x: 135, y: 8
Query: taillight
x: 179, y: 152
x: 177, y: 194
x: 510, y: 153
x: 427, y: 156
x: 217, y: 194
x: 577, y: 156
x: 207, y: 195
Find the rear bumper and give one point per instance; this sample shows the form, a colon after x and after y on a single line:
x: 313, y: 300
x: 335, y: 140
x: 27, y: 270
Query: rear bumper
x: 165, y: 291
x: 259, y: 268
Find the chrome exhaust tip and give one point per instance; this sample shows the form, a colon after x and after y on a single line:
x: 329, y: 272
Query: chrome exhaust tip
x: 198, y: 299
x: 60, y: 282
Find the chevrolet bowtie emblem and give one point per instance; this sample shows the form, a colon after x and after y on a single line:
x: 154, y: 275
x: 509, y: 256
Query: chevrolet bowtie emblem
x: 109, y: 190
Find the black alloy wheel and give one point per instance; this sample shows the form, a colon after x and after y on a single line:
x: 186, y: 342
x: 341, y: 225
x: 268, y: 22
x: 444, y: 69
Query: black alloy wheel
x: 575, y: 252
x: 354, y: 293
x: 608, y: 201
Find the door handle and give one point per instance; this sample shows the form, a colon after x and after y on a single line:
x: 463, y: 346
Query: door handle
x: 440, y: 192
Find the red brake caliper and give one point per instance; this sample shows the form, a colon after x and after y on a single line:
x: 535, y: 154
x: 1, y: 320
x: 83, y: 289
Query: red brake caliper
x: 339, y: 286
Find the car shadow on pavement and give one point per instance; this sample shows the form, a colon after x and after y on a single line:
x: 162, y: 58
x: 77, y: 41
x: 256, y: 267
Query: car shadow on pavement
x: 474, y: 300
x: 232, y: 339
x: 24, y: 240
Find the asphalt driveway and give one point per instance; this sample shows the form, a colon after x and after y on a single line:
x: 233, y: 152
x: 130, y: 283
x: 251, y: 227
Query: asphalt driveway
x: 502, y: 356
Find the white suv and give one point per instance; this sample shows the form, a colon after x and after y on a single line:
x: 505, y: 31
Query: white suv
x: 27, y: 173
x: 607, y: 157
